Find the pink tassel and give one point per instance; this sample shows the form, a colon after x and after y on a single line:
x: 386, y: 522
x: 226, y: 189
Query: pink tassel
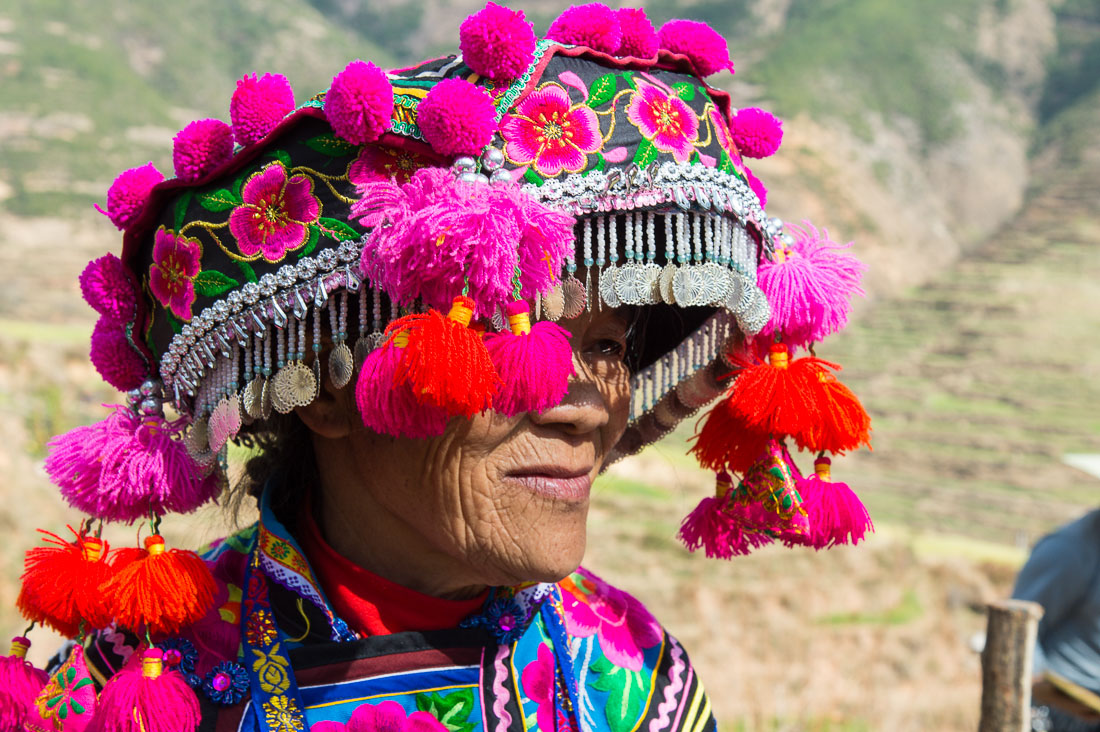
x: 722, y: 526
x: 809, y: 286
x: 546, y: 239
x: 389, y: 408
x: 146, y: 698
x: 127, y: 466
x: 20, y: 684
x: 836, y: 513
x: 534, y: 363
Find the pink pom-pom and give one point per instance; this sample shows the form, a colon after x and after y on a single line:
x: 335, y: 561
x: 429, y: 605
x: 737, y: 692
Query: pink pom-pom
x: 757, y: 187
x: 114, y: 358
x: 702, y: 44
x: 200, y: 147
x: 20, y: 683
x: 457, y: 118
x: 128, y: 466
x: 144, y: 697
x: 389, y: 408
x: 837, y: 516
x: 497, y: 42
x: 534, y: 362
x: 259, y: 105
x: 127, y: 195
x: 756, y: 132
x: 639, y: 38
x: 593, y: 24
x: 721, y: 527
x: 359, y: 103
x: 109, y: 288
x: 809, y: 286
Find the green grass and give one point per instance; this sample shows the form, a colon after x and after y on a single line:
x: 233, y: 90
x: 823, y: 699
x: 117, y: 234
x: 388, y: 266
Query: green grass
x: 908, y: 610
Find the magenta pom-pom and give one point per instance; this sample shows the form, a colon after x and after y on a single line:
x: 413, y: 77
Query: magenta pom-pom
x: 116, y: 360
x: 757, y: 187
x: 497, y: 42
x: 359, y: 103
x: 706, y: 49
x: 145, y: 697
x: 534, y: 363
x: 809, y: 286
x: 639, y: 37
x: 200, y: 147
x: 109, y: 288
x: 757, y: 132
x: 724, y: 528
x: 127, y: 195
x: 389, y: 408
x: 258, y: 105
x: 457, y: 118
x: 593, y: 24
x: 836, y: 514
x: 20, y: 683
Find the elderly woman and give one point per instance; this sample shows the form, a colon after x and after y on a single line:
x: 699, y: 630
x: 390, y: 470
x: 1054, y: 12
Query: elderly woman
x: 438, y: 302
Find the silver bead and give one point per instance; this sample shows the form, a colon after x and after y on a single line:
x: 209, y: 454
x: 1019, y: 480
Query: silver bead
x: 464, y: 164
x: 471, y: 177
x: 501, y: 176
x: 133, y: 397
x: 150, y: 407
x: 150, y: 387
x: 492, y: 159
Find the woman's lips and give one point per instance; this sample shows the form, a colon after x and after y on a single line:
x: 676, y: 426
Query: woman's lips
x: 568, y: 485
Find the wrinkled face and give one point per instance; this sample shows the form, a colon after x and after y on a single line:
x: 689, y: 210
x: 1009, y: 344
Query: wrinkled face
x: 498, y: 500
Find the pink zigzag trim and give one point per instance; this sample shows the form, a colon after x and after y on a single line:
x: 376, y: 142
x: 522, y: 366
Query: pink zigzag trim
x: 500, y: 691
x: 672, y: 690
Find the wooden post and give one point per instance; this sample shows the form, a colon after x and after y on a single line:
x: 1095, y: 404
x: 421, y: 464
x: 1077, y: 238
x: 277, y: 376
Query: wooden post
x: 1006, y: 666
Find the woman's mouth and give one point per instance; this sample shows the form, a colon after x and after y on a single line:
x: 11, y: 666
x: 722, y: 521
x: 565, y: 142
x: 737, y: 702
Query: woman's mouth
x: 554, y: 482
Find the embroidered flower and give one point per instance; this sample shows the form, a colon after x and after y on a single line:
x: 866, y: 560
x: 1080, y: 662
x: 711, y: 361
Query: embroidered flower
x: 179, y: 654
x: 384, y: 163
x: 546, y: 131
x: 538, y: 681
x: 625, y: 628
x: 389, y: 716
x: 260, y: 630
x: 275, y: 216
x: 663, y: 119
x: 282, y: 716
x: 176, y: 263
x: 226, y: 684
x: 271, y: 670
x: 503, y: 618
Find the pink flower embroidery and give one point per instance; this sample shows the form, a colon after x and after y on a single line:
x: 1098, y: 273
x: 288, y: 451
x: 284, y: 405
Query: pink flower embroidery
x: 549, y: 133
x: 176, y: 262
x: 384, y: 163
x: 664, y: 119
x: 275, y: 215
x: 538, y: 681
x: 725, y: 139
x: 389, y: 716
x: 625, y: 628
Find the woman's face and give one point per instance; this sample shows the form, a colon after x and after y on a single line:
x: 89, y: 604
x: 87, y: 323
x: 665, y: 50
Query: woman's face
x: 494, y: 500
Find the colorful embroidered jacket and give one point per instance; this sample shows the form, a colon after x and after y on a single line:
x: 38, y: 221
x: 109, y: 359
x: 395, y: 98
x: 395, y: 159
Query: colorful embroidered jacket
x: 576, y: 655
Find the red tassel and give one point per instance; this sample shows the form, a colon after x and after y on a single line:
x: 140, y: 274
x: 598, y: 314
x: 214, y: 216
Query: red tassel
x: 444, y: 361
x: 20, y: 684
x: 844, y: 424
x: 61, y: 584
x: 836, y: 513
x: 534, y: 363
x: 726, y: 442
x: 146, y: 698
x: 779, y: 397
x: 161, y: 592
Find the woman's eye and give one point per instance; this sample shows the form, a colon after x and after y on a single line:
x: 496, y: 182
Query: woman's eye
x: 609, y: 347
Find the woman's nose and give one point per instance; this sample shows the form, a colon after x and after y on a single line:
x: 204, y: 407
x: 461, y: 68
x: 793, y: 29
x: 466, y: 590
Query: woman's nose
x: 583, y: 409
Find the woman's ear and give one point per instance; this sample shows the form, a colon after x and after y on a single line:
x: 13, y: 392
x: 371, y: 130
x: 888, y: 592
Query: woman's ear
x: 332, y: 414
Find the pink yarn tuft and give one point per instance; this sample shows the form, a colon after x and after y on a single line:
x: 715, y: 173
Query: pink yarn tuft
x: 497, y: 42
x: 699, y: 42
x: 144, y: 697
x: 809, y: 286
x: 126, y: 466
x: 114, y: 358
x: 457, y: 118
x: 259, y: 105
x: 534, y: 363
x: 109, y: 288
x: 359, y: 103
x: 20, y: 684
x: 200, y: 147
x: 756, y: 132
x: 723, y: 528
x: 389, y: 408
x: 639, y: 38
x: 757, y: 187
x: 546, y: 239
x: 127, y: 195
x: 837, y: 516
x: 593, y: 24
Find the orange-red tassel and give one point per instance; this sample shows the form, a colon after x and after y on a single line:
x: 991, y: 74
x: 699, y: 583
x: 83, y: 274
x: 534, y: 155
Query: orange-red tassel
x: 726, y: 442
x: 778, y: 397
x: 61, y: 584
x: 843, y: 425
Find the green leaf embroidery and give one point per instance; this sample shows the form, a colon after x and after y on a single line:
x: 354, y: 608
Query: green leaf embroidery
x: 533, y: 177
x: 629, y: 76
x: 247, y: 271
x: 601, y: 91
x: 212, y: 283
x: 453, y: 710
x: 645, y: 154
x: 601, y: 163
x: 330, y: 145
x: 283, y: 157
x: 684, y: 90
x: 70, y: 675
x: 219, y: 200
x: 623, y: 705
x: 63, y: 711
x: 173, y: 322
x: 725, y: 164
x: 181, y: 208
x: 337, y: 229
x: 311, y: 242
x: 77, y: 707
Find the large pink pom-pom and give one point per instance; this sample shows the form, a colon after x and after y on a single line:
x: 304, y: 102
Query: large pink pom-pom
x: 109, y: 288
x: 259, y: 105
x: 359, y: 103
x: 809, y: 286
x: 497, y: 42
x: 699, y: 42
x: 128, y: 466
x: 128, y: 194
x: 457, y: 118
x: 389, y: 408
x: 594, y: 25
x: 639, y: 38
x: 114, y: 358
x: 837, y: 516
x: 144, y: 697
x: 534, y: 362
x: 20, y: 683
x: 200, y: 147
x: 756, y: 132
x: 757, y: 187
